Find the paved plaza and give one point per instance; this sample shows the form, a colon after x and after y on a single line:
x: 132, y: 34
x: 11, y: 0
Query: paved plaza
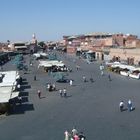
x: 93, y: 107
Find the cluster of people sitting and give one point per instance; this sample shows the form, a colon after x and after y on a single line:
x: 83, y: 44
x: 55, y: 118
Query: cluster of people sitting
x: 60, y: 69
x: 129, y: 105
x: 74, y: 135
x: 51, y: 87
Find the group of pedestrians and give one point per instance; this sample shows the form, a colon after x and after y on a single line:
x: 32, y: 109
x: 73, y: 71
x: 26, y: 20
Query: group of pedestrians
x: 74, y: 135
x: 51, y: 87
x: 77, y: 67
x: 63, y: 92
x: 129, y: 106
x: 90, y: 79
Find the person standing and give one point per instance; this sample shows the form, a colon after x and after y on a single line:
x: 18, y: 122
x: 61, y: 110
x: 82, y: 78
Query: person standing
x: 65, y: 92
x: 129, y: 105
x: 82, y: 136
x: 54, y: 87
x: 71, y: 82
x: 76, y: 137
x: 48, y: 87
x: 60, y: 92
x: 34, y: 77
x: 74, y: 131
x: 121, y: 106
x: 66, y: 133
x: 84, y: 79
x: 101, y: 69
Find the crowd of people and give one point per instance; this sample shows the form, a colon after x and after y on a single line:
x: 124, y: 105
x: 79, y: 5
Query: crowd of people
x: 74, y: 135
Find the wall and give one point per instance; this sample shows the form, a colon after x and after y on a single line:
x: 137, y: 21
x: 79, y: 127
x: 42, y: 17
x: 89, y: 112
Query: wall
x: 71, y: 50
x: 124, y: 54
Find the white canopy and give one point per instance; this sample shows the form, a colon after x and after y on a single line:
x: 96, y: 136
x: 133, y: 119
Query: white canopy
x: 131, y: 68
x: 9, y: 78
x: 51, y: 63
x: 5, y: 93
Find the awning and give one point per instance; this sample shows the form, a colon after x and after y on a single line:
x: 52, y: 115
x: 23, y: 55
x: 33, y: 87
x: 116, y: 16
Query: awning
x: 4, y: 100
x: 59, y: 64
x: 14, y: 94
x: 20, y: 47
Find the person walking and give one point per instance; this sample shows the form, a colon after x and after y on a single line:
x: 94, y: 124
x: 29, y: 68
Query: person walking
x: 65, y: 92
x: 66, y: 133
x: 48, y: 87
x: 39, y: 94
x: 129, y: 105
x: 101, y: 69
x: 121, y: 106
x: 60, y: 93
x: 76, y: 137
x: 74, y: 131
x: 71, y: 82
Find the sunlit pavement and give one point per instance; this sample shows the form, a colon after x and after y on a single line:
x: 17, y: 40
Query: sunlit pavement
x: 92, y: 107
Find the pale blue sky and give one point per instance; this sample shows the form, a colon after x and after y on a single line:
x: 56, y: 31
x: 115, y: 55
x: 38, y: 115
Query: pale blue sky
x: 51, y: 19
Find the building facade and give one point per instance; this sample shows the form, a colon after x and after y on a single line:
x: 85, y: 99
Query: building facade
x: 130, y: 56
x: 100, y: 43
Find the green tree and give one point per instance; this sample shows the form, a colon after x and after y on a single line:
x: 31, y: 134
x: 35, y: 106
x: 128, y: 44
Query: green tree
x: 41, y: 44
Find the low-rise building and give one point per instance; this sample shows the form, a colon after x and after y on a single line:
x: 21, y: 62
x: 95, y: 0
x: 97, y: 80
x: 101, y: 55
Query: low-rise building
x: 129, y: 55
x: 98, y: 42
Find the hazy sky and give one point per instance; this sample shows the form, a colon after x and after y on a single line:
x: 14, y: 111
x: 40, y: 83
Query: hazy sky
x: 51, y: 19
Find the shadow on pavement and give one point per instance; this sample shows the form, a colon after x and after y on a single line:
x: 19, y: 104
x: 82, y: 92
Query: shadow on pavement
x: 68, y: 96
x: 24, y: 83
x: 24, y: 79
x: 42, y: 97
x: 25, y: 87
x: 24, y: 99
x: 22, y: 108
x: 24, y: 93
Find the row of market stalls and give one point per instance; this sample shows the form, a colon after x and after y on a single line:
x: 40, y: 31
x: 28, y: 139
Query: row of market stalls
x: 125, y: 70
x: 53, y: 66
x: 57, y: 69
x: 40, y: 55
x: 8, y: 84
x: 50, y: 63
x: 18, y: 61
x: 43, y: 55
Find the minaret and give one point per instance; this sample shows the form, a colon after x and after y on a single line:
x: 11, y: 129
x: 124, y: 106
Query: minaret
x: 34, y: 40
x: 33, y: 44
